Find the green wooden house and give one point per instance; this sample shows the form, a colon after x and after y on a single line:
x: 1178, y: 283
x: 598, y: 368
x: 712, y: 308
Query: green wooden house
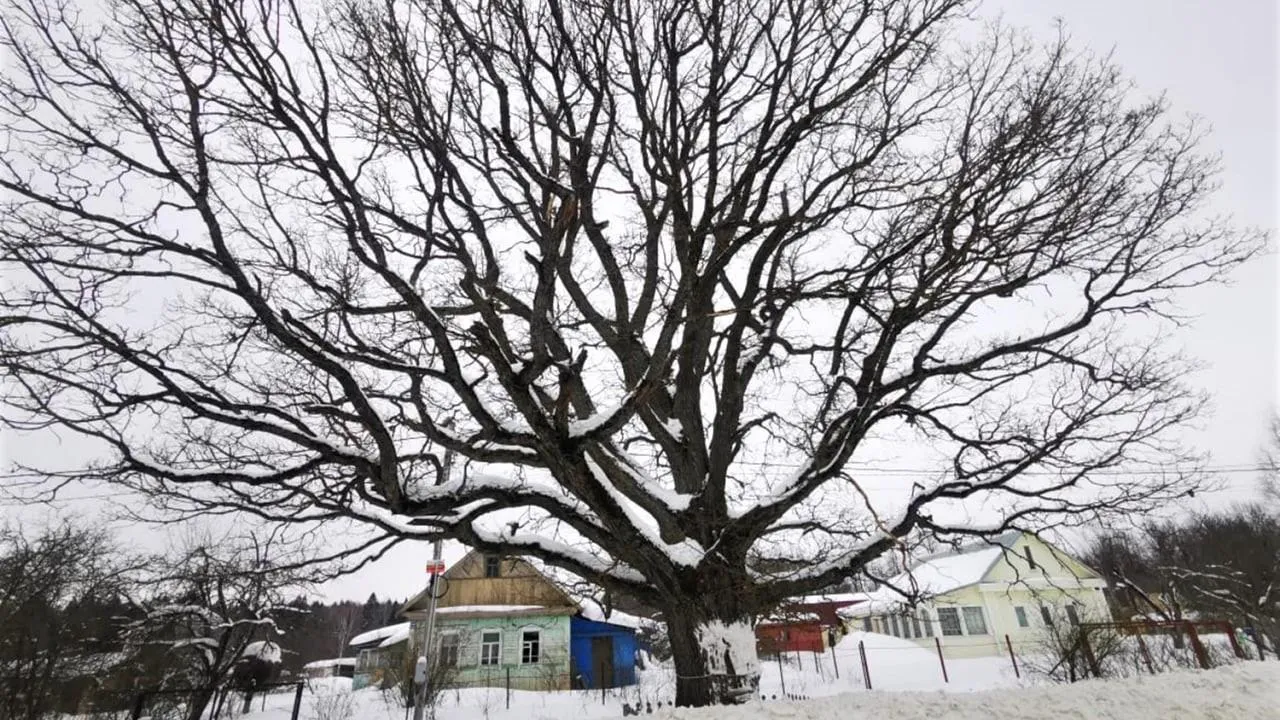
x: 498, y: 621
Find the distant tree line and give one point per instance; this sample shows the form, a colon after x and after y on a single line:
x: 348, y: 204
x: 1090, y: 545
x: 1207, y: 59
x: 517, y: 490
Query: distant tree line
x: 86, y: 625
x: 1219, y: 565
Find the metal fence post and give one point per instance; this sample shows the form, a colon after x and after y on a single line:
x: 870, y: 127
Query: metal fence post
x: 1089, y: 657
x: 508, y: 688
x: 782, y: 677
x: 297, y: 702
x: 1013, y: 658
x: 835, y: 662
x: 138, y: 705
x: 1201, y: 656
x: 1235, y: 644
x: 866, y: 672
x: 1146, y: 654
x: 941, y: 660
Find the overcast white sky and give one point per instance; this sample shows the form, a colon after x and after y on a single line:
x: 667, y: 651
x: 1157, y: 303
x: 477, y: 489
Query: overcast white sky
x: 1214, y: 59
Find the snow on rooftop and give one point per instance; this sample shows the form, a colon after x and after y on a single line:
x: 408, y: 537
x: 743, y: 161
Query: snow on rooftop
x: 853, y: 597
x: 382, y: 635
x: 592, y: 612
x: 462, y: 609
x: 935, y: 575
x: 784, y: 617
x: 949, y: 572
x: 332, y: 662
x: 400, y: 635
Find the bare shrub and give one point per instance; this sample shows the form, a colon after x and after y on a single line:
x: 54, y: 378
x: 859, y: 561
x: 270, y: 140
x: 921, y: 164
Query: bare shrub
x: 332, y: 703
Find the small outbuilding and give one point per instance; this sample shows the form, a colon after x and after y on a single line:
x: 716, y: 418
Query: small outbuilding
x: 334, y: 667
x: 381, y: 652
x: 602, y: 654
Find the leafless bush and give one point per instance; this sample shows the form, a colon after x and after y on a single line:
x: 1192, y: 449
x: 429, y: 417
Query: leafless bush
x: 1061, y: 654
x: 330, y: 702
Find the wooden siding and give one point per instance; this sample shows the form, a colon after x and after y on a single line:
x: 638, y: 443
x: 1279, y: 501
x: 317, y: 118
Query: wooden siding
x: 551, y: 672
x: 518, y: 583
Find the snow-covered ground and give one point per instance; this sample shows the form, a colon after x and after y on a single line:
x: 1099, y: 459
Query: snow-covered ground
x: 1246, y: 690
x: 908, y: 686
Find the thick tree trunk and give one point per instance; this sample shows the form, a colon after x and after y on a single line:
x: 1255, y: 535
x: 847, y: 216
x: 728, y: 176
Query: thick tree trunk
x: 715, y: 656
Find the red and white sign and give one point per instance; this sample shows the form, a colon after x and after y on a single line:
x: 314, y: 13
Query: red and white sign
x: 435, y: 567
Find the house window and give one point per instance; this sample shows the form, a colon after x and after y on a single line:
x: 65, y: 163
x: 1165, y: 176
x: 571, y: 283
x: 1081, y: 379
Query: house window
x: 893, y: 626
x: 490, y: 647
x: 1046, y: 616
x: 448, y: 650
x: 928, y: 625
x: 974, y: 622
x: 492, y: 566
x: 1072, y: 615
x: 866, y: 624
x: 1021, y: 612
x: 530, y: 647
x: 949, y: 619
x: 1030, y: 560
x: 915, y: 625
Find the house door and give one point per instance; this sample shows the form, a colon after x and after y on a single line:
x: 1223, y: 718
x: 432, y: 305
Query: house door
x: 602, y: 658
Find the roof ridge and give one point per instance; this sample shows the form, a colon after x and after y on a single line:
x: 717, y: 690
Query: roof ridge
x: 1005, y: 539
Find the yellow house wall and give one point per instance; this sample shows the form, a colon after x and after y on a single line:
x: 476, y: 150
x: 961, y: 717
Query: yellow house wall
x: 1051, y: 563
x: 1057, y: 581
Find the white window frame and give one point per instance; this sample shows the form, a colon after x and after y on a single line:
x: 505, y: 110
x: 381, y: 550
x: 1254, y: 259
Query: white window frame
x: 982, y: 617
x: 1073, y: 614
x: 1020, y: 613
x: 483, y: 644
x: 457, y: 649
x: 942, y: 626
x: 538, y: 635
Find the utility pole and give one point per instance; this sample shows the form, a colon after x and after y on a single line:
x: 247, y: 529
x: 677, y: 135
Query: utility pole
x: 422, y: 671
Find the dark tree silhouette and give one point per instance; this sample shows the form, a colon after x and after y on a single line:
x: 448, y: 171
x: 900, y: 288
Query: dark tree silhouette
x: 60, y: 609
x: 210, y: 612
x: 658, y: 272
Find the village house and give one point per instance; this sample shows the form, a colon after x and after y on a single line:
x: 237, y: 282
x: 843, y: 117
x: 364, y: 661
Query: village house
x: 974, y: 598
x: 500, y: 621
x: 380, y: 655
x: 332, y: 667
x: 807, y: 624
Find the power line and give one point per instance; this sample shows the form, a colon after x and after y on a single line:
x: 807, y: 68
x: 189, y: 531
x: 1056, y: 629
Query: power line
x: 1209, y: 470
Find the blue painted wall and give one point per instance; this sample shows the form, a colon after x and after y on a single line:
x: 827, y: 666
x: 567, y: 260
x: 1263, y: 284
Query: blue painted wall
x: 581, y: 631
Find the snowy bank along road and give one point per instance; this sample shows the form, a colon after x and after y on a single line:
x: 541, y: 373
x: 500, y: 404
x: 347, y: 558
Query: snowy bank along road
x: 1248, y: 691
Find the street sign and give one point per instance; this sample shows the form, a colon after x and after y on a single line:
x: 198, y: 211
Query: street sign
x: 435, y: 567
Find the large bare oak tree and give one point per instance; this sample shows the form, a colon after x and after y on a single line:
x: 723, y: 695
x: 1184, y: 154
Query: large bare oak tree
x: 661, y: 274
